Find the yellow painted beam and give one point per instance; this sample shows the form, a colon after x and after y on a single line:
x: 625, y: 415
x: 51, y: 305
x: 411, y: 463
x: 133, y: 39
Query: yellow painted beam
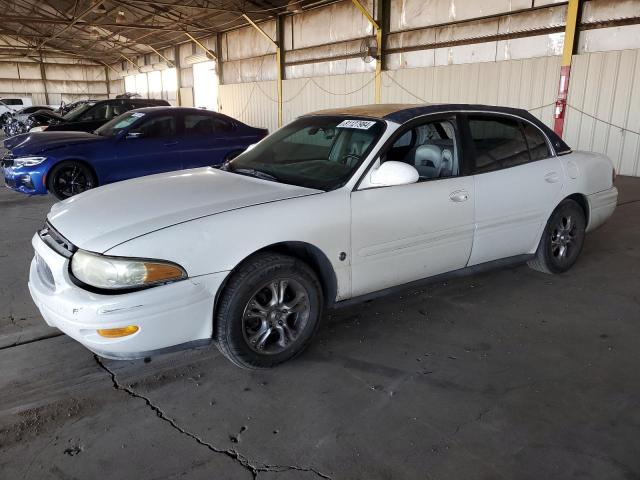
x: 262, y: 32
x: 364, y: 12
x: 570, y: 31
x: 200, y: 44
x: 378, y: 32
x: 131, y: 62
x: 169, y: 62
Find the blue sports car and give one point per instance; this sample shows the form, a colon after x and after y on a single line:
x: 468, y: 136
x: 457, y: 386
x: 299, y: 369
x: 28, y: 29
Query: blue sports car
x: 139, y: 142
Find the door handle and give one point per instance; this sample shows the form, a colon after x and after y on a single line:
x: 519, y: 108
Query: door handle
x: 552, y: 177
x: 459, y: 196
x: 168, y: 144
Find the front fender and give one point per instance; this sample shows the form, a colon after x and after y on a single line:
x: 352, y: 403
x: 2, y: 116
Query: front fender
x: 218, y: 243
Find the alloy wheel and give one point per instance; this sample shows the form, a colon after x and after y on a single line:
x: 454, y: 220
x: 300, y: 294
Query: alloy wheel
x: 72, y: 180
x: 275, y: 316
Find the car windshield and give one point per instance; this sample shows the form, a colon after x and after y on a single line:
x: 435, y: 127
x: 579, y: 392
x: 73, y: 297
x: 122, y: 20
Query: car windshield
x: 320, y: 152
x: 79, y: 110
x: 113, y: 126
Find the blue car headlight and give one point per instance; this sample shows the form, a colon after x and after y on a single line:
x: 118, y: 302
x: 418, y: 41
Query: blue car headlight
x: 28, y: 161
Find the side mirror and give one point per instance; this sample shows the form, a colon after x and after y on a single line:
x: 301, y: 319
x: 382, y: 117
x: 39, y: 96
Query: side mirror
x: 394, y: 173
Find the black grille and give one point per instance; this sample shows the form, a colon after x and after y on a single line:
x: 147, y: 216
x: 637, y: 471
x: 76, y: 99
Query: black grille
x: 44, y: 272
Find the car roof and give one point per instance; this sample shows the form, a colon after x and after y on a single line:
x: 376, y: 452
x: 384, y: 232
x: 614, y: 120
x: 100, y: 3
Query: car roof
x: 403, y: 112
x: 161, y: 108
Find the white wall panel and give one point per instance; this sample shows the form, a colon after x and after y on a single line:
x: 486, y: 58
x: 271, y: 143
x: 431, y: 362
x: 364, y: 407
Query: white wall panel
x: 606, y: 86
x: 252, y: 103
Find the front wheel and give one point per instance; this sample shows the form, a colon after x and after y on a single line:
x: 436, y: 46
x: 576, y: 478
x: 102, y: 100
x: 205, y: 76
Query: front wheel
x: 268, y: 311
x: 562, y: 239
x: 69, y: 178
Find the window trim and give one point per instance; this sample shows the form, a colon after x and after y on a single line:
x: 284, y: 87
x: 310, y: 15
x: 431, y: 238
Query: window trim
x: 470, y: 147
x: 409, y: 125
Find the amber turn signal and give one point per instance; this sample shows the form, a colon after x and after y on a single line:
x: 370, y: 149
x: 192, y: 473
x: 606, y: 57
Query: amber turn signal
x: 162, y: 272
x: 118, y: 332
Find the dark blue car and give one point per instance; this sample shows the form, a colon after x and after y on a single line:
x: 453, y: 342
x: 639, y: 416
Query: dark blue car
x: 139, y: 142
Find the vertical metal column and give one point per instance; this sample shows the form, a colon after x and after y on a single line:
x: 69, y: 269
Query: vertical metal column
x: 570, y: 40
x: 43, y: 75
x: 279, y: 59
x: 378, y: 31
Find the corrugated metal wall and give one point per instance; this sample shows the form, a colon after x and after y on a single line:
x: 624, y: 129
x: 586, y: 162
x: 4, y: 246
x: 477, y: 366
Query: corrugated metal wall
x: 253, y: 103
x: 603, y: 85
x: 604, y: 107
x: 66, y: 82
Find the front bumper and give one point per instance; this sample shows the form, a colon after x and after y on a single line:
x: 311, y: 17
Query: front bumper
x: 167, y: 316
x: 25, y: 180
x: 601, y: 207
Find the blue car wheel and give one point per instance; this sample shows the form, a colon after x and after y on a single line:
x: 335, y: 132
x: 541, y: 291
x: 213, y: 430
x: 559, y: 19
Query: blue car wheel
x: 69, y: 178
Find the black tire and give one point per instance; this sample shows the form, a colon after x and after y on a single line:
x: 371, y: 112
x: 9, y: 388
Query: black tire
x: 69, y: 178
x: 562, y: 239
x: 250, y: 331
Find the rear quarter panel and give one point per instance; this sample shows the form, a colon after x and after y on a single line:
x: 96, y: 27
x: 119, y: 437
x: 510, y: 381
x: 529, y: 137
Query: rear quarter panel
x: 587, y: 172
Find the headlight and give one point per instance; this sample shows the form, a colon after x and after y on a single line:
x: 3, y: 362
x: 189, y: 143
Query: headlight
x: 117, y: 273
x: 28, y: 161
x: 41, y: 128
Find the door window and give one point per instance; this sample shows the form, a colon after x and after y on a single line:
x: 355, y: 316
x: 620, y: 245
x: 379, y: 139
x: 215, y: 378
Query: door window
x: 499, y: 143
x: 538, y: 147
x: 431, y: 147
x: 163, y: 126
x: 197, y: 124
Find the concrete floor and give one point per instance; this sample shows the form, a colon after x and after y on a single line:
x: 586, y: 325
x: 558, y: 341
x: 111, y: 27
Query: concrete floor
x: 511, y: 374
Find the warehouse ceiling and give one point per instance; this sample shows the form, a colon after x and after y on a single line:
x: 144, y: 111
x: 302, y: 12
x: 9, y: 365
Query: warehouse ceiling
x: 106, y: 30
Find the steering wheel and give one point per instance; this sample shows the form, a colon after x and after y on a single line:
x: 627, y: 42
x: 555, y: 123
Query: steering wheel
x: 346, y: 158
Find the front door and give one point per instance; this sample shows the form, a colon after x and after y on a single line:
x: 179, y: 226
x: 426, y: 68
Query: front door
x: 404, y: 233
x: 152, y: 146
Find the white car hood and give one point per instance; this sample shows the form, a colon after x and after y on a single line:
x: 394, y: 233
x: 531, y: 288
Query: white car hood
x: 99, y: 219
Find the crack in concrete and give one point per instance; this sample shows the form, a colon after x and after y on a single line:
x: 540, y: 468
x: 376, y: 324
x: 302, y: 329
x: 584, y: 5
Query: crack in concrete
x: 478, y: 418
x: 255, y: 470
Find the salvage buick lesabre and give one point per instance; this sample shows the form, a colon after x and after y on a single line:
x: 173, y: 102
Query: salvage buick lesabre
x: 337, y: 206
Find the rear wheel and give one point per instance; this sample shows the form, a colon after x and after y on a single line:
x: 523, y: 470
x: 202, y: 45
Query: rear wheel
x: 268, y: 311
x: 69, y: 178
x: 562, y: 239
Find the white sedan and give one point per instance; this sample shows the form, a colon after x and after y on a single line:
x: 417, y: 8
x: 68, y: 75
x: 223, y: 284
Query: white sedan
x: 336, y: 207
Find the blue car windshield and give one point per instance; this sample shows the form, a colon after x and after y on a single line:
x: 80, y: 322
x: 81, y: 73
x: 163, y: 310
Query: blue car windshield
x: 115, y: 125
x: 320, y: 152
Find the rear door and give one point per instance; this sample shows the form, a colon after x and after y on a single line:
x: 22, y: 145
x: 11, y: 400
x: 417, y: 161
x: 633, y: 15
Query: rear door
x: 208, y: 139
x: 409, y: 232
x: 517, y: 181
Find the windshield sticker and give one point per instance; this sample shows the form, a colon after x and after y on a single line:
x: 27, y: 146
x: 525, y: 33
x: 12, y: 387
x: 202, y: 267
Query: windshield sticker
x: 137, y: 114
x: 359, y: 124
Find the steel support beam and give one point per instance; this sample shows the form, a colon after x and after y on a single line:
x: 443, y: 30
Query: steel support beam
x: 169, y: 62
x: 279, y: 57
x: 378, y: 32
x: 176, y: 56
x: 570, y: 42
x: 43, y: 75
x: 208, y: 52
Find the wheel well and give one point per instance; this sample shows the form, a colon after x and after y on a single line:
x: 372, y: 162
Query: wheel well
x: 77, y: 160
x: 309, y: 254
x: 584, y: 204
